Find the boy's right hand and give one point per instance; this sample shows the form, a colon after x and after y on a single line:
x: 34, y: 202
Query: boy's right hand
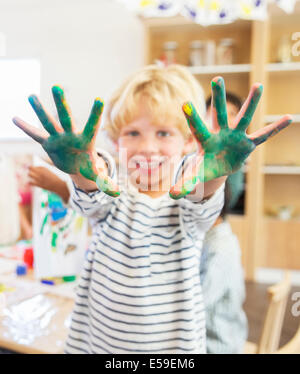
x: 70, y: 151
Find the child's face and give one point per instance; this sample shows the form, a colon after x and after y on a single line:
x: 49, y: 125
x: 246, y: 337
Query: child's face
x: 150, y: 151
x: 232, y: 112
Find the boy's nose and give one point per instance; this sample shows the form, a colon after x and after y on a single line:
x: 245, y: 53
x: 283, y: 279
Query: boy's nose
x: 148, y: 145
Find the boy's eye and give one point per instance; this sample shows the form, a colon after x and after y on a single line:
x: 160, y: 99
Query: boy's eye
x: 133, y: 133
x: 163, y: 133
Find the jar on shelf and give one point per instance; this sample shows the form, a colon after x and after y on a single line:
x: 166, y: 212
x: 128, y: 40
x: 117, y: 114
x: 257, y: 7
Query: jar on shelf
x: 225, y: 52
x: 196, y: 57
x: 210, y: 52
x: 284, y: 50
x: 169, y: 53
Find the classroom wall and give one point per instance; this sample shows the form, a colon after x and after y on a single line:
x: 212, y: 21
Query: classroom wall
x: 86, y: 46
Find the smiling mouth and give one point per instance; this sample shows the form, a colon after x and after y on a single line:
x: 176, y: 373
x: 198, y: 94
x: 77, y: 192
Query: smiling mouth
x: 148, y: 167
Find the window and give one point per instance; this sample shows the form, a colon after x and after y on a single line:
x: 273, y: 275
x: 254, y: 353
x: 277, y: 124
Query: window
x: 19, y: 78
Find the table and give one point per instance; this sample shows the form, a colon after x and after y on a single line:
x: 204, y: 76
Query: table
x: 36, y: 317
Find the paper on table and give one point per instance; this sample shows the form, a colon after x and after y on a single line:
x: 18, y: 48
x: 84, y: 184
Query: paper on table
x: 7, y: 266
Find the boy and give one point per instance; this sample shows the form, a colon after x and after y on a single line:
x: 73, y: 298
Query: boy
x: 140, y: 288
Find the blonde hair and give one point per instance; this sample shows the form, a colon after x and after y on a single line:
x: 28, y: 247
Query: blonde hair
x: 164, y: 90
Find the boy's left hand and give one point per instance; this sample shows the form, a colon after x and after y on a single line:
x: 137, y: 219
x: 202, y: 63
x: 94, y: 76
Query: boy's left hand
x: 223, y: 150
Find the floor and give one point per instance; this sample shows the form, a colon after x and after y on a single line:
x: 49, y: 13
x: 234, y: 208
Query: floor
x: 256, y: 306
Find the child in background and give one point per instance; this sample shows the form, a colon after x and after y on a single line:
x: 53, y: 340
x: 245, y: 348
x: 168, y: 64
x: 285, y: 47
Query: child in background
x: 22, y: 164
x: 221, y: 270
x: 140, y: 289
x: 223, y: 287
x: 39, y: 176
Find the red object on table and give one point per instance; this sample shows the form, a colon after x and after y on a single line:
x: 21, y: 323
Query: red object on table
x: 28, y: 257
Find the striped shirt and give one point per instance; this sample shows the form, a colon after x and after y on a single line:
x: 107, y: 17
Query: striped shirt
x: 140, y: 288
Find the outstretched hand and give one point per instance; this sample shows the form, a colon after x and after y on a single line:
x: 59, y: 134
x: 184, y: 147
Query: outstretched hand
x: 71, y: 151
x: 223, y: 150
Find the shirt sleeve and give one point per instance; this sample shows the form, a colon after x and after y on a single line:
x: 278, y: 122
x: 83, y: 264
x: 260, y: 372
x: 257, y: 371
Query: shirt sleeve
x: 198, y: 215
x: 94, y: 204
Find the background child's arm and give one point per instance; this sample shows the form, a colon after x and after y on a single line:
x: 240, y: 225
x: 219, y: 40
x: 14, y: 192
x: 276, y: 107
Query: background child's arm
x: 42, y: 177
x: 71, y: 151
x: 223, y: 150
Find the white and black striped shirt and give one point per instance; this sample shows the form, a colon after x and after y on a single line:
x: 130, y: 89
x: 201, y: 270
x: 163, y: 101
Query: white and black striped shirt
x: 140, y: 288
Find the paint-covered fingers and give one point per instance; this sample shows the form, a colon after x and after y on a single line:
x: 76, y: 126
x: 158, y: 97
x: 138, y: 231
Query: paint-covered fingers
x: 247, y: 111
x: 93, y: 123
x: 103, y: 181
x: 36, y: 134
x: 188, y: 179
x: 195, y: 122
x: 63, y: 109
x: 263, y: 134
x: 95, y: 169
x: 107, y: 185
x: 219, y: 108
x: 46, y: 119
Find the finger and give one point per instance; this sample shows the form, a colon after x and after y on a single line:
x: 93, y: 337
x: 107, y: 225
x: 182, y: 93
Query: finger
x: 188, y: 181
x: 103, y: 181
x: 63, y: 110
x: 219, y: 108
x: 183, y: 188
x: 35, y: 133
x: 195, y: 122
x: 46, y: 119
x: 263, y: 134
x: 247, y: 111
x: 92, y: 125
x: 90, y: 171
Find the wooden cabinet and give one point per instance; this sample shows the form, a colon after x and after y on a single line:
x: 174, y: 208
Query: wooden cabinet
x: 273, y: 170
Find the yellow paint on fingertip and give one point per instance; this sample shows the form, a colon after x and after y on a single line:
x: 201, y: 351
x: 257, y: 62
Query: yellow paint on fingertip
x: 187, y: 108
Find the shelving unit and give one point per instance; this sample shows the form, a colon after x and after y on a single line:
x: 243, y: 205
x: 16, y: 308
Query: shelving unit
x: 220, y: 69
x: 269, y: 118
x: 273, y: 171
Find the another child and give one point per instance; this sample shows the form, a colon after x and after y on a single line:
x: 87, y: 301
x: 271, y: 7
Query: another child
x: 140, y: 290
x: 221, y: 270
x: 223, y: 287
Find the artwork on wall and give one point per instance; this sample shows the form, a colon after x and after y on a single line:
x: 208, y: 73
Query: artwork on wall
x: 208, y: 12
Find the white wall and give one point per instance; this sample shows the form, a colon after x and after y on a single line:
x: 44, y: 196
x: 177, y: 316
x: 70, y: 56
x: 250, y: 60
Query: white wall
x: 86, y: 46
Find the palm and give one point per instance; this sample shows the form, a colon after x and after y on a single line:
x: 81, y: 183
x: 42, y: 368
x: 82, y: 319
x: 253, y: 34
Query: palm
x: 223, y: 150
x: 70, y: 151
x: 224, y: 153
x: 73, y: 154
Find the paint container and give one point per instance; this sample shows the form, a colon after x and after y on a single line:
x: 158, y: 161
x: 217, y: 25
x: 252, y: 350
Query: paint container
x: 196, y: 53
x: 225, y: 52
x: 28, y: 257
x: 21, y: 269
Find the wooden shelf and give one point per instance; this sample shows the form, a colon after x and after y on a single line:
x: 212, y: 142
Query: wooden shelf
x: 269, y: 118
x: 277, y: 219
x: 283, y: 66
x: 220, y: 69
x: 281, y: 169
x: 269, y: 182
